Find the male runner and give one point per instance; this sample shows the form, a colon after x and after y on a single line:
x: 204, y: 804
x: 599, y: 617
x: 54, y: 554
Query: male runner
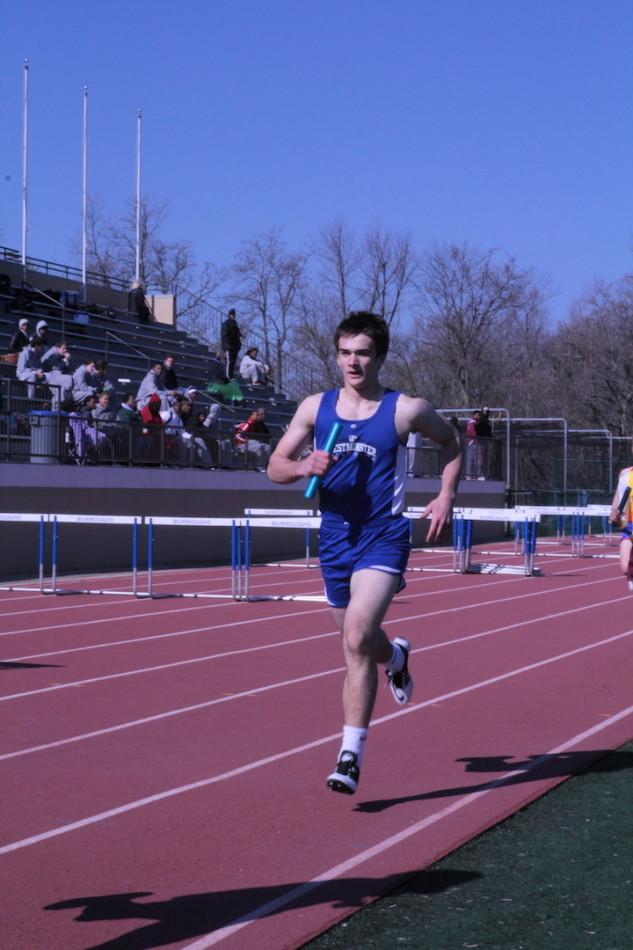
x: 364, y: 539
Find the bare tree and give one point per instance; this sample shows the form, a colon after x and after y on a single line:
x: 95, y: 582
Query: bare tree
x: 268, y: 280
x: 338, y: 261
x: 169, y: 267
x: 388, y: 267
x: 476, y: 319
x: 588, y: 356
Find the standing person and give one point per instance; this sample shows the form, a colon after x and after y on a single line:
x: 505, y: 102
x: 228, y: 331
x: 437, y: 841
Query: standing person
x: 484, y: 442
x: 364, y: 539
x: 20, y: 339
x: 231, y: 343
x: 472, y: 448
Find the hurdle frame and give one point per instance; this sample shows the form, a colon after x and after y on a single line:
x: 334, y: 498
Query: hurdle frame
x: 463, y: 519
x: 29, y: 518
x: 56, y: 519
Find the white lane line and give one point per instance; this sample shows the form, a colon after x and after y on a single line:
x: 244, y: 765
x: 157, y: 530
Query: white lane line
x: 295, y: 893
x: 170, y: 713
x: 268, y: 760
x: 214, y: 627
x: 411, y: 580
x: 271, y: 646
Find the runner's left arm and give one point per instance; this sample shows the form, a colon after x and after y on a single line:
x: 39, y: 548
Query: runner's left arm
x: 417, y: 415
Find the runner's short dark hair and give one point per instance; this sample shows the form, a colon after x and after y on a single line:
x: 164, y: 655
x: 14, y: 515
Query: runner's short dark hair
x: 373, y: 326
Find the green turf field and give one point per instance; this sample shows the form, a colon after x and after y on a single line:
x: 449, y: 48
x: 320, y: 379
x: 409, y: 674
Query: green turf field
x: 557, y: 875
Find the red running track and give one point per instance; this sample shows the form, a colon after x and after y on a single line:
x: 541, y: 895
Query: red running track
x: 163, y: 762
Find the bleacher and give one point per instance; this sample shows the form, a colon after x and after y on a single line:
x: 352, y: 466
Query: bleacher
x: 130, y: 347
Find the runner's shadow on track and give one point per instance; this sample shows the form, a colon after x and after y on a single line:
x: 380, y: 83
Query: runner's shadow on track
x: 8, y: 665
x: 533, y: 769
x: 193, y: 915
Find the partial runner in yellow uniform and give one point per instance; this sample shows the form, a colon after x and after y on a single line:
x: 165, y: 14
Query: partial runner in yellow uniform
x: 622, y: 516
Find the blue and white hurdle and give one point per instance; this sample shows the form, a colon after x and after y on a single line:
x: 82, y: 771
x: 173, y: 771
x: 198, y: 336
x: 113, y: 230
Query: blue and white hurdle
x: 579, y: 518
x: 56, y: 520
x: 286, y: 513
x: 463, y: 519
x: 26, y: 518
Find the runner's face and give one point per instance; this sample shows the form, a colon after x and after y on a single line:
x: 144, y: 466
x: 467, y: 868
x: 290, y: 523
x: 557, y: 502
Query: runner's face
x: 356, y: 359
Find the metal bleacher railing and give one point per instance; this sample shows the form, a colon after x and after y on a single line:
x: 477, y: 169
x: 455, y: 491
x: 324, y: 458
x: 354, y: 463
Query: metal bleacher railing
x: 62, y: 270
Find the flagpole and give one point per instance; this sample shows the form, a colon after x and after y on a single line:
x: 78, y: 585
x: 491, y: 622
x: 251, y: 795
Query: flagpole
x: 84, y: 204
x: 25, y: 166
x: 138, y: 197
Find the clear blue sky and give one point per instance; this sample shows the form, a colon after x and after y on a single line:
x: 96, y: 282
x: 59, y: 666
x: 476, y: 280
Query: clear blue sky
x: 505, y: 123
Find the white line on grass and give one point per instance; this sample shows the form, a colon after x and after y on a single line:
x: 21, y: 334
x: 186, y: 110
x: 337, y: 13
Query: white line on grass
x: 296, y: 893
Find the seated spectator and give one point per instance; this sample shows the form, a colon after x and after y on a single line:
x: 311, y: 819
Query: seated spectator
x: 105, y: 417
x: 41, y: 332
x: 126, y: 437
x: 150, y: 386
x: 127, y: 410
x: 253, y: 438
x: 56, y: 365
x: 174, y: 430
x: 20, y: 338
x: 84, y: 431
x: 83, y: 380
x: 29, y: 368
x: 151, y: 446
x: 205, y: 449
x: 101, y: 382
x: 252, y: 369
x: 168, y: 379
x: 150, y: 412
x: 103, y: 411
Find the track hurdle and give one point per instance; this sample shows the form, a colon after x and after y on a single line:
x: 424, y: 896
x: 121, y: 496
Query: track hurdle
x: 56, y: 519
x: 463, y: 519
x: 285, y: 513
x: 238, y: 579
x: 19, y: 517
x: 248, y: 525
x: 578, y: 516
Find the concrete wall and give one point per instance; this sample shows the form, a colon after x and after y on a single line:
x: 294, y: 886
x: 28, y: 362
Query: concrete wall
x: 118, y: 490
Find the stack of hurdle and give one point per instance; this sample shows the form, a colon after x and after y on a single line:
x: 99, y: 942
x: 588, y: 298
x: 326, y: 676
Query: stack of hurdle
x: 463, y: 519
x: 579, y: 518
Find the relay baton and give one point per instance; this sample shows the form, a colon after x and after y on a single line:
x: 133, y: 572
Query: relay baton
x: 329, y: 445
x: 623, y: 500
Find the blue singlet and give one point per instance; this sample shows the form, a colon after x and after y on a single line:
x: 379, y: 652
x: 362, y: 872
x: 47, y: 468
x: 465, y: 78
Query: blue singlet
x: 361, y: 498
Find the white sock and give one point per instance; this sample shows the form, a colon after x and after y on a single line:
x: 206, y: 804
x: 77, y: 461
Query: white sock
x: 396, y: 663
x: 354, y: 741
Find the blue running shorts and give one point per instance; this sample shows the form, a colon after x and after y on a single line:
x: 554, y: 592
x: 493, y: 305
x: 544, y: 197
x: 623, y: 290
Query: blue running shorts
x: 347, y: 548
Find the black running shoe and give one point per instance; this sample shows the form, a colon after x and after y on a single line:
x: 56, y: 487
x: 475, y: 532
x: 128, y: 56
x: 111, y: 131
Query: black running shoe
x: 344, y: 778
x: 401, y: 683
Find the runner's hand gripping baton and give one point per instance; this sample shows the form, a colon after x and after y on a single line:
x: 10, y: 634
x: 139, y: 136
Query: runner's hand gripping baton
x: 623, y: 502
x: 333, y: 435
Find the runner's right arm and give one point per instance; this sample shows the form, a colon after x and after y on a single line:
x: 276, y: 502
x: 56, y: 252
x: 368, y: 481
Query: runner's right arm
x: 286, y: 465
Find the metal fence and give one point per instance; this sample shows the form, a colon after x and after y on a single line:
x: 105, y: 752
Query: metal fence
x: 42, y: 435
